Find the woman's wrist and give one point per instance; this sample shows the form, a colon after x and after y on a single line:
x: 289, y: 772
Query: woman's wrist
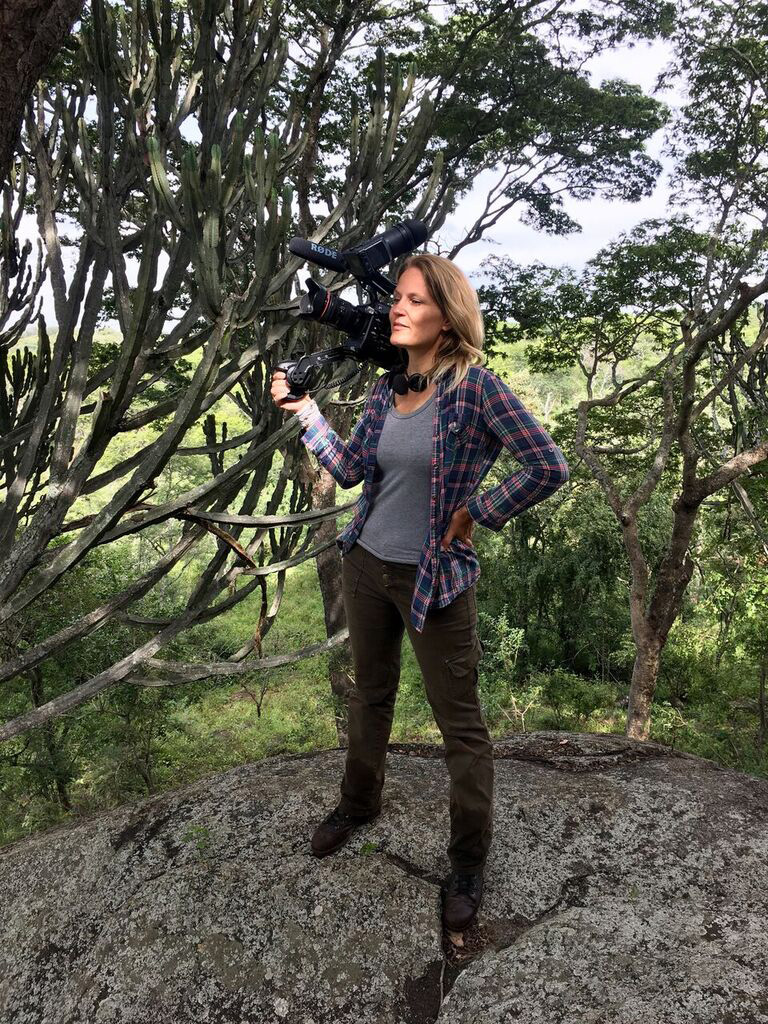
x: 309, y: 412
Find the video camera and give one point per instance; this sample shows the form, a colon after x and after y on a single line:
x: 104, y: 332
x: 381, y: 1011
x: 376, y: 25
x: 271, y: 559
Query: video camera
x: 367, y: 325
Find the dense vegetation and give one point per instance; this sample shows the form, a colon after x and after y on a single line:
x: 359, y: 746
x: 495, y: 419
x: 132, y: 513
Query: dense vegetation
x: 633, y: 601
x: 553, y: 618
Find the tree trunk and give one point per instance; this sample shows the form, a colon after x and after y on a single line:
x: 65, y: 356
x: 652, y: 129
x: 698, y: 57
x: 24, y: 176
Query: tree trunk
x: 31, y: 34
x: 329, y: 577
x: 643, y: 686
x: 761, y: 733
x: 652, y: 622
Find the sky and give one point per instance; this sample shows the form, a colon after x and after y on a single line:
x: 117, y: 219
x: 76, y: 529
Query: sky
x: 601, y: 220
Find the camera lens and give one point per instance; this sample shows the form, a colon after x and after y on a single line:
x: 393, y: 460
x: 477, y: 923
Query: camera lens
x: 320, y: 304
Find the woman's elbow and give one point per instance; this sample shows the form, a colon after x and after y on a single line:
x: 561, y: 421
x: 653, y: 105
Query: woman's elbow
x: 348, y: 482
x: 555, y: 474
x: 558, y: 468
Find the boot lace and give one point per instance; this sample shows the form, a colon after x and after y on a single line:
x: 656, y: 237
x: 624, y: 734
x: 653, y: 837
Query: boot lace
x: 464, y: 884
x: 338, y: 817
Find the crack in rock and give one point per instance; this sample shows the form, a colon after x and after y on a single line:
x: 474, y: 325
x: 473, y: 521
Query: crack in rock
x: 411, y: 869
x: 425, y: 994
x: 560, y: 753
x: 571, y: 889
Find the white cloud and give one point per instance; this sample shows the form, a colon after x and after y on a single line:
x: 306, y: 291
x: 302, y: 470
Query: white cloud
x: 601, y: 220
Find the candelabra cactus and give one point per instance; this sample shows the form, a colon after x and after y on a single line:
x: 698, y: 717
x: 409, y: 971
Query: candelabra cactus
x: 184, y: 160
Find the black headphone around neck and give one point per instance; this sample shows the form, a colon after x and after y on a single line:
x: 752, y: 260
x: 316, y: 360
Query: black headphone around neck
x: 400, y: 381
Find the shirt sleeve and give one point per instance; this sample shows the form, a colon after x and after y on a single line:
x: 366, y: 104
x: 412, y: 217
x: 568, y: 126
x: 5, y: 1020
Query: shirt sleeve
x: 544, y: 468
x: 345, y: 461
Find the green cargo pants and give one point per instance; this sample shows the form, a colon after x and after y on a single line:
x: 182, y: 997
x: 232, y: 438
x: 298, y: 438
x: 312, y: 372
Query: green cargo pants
x: 377, y: 600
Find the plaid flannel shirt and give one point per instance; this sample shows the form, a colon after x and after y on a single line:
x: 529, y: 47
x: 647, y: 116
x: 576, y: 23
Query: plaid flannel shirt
x: 471, y: 425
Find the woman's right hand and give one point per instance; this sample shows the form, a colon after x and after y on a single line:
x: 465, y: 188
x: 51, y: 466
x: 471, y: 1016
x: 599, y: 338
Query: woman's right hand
x: 280, y: 389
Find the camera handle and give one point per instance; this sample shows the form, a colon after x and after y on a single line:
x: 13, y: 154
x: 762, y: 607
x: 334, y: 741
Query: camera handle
x: 299, y: 371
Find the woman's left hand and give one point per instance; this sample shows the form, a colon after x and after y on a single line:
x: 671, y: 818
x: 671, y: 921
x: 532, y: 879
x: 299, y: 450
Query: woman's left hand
x: 460, y: 527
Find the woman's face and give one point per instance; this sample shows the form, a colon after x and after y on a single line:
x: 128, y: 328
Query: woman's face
x: 415, y: 318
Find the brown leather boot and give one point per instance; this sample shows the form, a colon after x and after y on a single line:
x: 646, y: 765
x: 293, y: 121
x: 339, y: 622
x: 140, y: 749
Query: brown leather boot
x: 335, y: 829
x: 462, y: 895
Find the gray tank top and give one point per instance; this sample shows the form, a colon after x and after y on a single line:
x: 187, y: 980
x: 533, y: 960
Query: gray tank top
x: 397, y: 523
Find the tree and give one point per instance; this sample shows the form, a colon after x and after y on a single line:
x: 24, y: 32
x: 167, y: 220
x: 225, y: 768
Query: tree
x: 206, y: 129
x: 31, y: 33
x: 676, y: 295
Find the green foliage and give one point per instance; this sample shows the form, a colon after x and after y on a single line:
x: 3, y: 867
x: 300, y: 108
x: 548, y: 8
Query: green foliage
x: 553, y: 619
x: 720, y: 132
x: 553, y: 594
x: 667, y: 723
x: 542, y: 104
x: 502, y: 644
x: 573, y: 699
x: 200, y: 836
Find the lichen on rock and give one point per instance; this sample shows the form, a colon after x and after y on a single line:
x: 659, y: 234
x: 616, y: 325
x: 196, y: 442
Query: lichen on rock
x: 627, y: 884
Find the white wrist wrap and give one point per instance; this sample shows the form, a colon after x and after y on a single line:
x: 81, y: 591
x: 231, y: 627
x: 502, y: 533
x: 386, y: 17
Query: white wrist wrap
x: 309, y: 413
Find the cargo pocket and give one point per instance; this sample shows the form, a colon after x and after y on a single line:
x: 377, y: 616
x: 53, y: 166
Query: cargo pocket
x: 461, y: 667
x: 350, y: 574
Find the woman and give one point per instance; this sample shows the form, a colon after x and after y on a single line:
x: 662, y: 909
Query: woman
x: 423, y: 447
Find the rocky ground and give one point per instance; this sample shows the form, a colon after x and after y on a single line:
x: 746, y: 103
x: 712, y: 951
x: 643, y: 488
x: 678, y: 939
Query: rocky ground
x: 627, y: 884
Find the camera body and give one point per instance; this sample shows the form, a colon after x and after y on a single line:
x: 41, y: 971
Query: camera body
x: 366, y: 325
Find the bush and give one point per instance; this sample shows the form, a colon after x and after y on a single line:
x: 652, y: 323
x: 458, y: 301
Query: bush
x: 573, y: 699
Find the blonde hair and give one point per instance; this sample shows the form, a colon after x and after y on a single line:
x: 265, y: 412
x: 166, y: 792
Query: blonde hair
x: 449, y: 287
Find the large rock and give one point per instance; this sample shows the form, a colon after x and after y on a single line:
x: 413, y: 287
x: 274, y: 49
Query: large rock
x: 627, y: 884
